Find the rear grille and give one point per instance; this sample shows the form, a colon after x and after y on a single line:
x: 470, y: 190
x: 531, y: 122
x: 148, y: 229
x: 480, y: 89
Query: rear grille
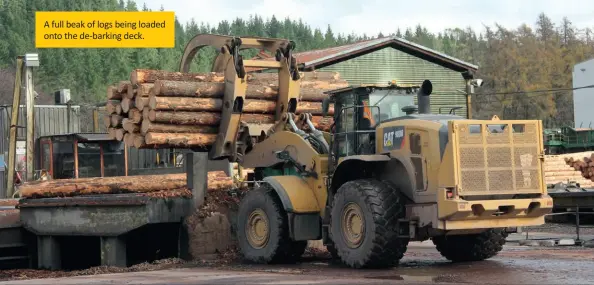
x: 498, y: 157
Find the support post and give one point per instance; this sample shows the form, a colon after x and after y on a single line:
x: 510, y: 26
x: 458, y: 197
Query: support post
x: 469, y: 91
x: 113, y: 251
x: 31, y: 60
x: 14, y: 121
x: 197, y: 175
x: 48, y: 253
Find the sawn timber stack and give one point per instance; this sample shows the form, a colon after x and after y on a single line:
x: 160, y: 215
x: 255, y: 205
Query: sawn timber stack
x: 161, y: 109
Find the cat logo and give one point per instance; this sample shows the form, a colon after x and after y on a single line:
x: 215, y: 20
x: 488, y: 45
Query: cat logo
x: 393, y: 137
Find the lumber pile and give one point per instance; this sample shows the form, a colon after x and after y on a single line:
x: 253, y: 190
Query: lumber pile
x: 160, y: 109
x: 146, y: 184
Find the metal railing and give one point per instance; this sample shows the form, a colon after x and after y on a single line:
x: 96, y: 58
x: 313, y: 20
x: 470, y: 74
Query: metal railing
x: 578, y: 225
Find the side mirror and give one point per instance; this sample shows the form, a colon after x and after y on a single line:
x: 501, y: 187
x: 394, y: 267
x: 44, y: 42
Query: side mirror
x: 325, y: 106
x: 426, y: 88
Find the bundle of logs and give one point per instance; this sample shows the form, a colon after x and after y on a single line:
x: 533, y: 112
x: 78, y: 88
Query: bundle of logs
x: 166, y: 185
x: 586, y: 166
x: 159, y: 109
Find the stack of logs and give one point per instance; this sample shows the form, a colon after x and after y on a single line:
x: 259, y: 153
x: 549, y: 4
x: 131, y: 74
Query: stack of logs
x: 159, y: 109
x: 586, y: 166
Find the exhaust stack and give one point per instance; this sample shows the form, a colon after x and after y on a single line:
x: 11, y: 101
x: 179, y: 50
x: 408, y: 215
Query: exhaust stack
x: 424, y: 102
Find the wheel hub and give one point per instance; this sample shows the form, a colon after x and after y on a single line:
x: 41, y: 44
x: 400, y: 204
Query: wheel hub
x: 353, y: 225
x: 257, y: 229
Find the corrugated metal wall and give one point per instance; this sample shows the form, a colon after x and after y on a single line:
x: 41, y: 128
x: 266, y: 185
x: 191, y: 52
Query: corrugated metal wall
x: 385, y: 65
x: 49, y: 120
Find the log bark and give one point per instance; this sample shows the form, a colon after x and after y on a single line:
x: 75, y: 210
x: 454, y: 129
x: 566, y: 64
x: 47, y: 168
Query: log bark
x: 141, y: 102
x: 305, y: 76
x: 150, y: 127
x: 112, y: 93
x: 184, y: 118
x: 211, y: 104
x: 322, y: 123
x: 127, y: 104
x: 149, y: 184
x: 257, y: 118
x: 110, y: 106
x: 116, y: 120
x: 315, y: 108
x: 180, y: 139
x: 188, y: 89
x: 123, y: 86
x: 135, y: 116
x: 203, y: 118
x: 129, y: 126
x: 120, y: 134
x: 311, y: 92
x: 259, y: 106
x: 140, y: 76
x: 184, y: 104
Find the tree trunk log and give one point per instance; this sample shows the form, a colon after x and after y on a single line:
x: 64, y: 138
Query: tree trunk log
x: 103, y: 185
x: 180, y: 139
x: 259, y: 106
x: 112, y: 93
x: 110, y: 106
x: 188, y: 89
x: 140, y: 76
x: 120, y: 134
x: 116, y: 120
x: 315, y: 108
x: 127, y: 104
x: 135, y: 116
x: 118, y: 109
x: 185, y: 118
x: 129, y: 126
x: 184, y: 104
x: 150, y: 127
x: 139, y: 141
x: 257, y: 118
x: 111, y: 132
x: 141, y: 102
x: 123, y: 86
x: 322, y: 123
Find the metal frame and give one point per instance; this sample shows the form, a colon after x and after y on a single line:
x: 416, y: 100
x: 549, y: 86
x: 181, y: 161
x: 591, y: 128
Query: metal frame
x: 234, y: 137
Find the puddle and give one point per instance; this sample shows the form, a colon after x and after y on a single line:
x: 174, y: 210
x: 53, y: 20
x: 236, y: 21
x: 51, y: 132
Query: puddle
x: 418, y: 278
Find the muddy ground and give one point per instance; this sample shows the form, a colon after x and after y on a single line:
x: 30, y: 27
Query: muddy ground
x: 421, y: 264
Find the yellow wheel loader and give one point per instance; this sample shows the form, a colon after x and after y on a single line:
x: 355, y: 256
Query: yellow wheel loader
x: 379, y: 179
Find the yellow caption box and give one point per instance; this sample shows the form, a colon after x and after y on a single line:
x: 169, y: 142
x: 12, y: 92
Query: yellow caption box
x: 105, y: 29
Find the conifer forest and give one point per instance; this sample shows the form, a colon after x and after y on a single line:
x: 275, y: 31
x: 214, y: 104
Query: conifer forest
x: 513, y: 62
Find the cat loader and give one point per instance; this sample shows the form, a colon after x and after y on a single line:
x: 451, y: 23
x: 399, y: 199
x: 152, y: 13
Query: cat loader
x: 378, y: 179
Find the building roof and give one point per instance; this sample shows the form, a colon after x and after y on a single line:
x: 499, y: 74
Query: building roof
x: 323, y: 57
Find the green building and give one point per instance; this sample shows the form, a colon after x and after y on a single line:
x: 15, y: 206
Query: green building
x: 382, y: 60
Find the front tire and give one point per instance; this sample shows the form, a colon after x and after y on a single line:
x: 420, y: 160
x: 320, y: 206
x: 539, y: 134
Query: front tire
x: 262, y: 229
x: 363, y: 224
x: 475, y: 247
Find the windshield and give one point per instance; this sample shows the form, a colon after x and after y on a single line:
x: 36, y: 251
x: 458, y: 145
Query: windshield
x: 390, y: 104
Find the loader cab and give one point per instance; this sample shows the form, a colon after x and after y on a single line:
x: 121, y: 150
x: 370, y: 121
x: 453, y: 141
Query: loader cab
x: 357, y: 112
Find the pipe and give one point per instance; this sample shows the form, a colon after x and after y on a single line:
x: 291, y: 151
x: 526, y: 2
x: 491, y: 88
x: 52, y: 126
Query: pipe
x: 424, y: 102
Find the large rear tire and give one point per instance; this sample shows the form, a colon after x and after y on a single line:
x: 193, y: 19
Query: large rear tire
x: 363, y: 224
x: 262, y: 229
x: 475, y: 247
